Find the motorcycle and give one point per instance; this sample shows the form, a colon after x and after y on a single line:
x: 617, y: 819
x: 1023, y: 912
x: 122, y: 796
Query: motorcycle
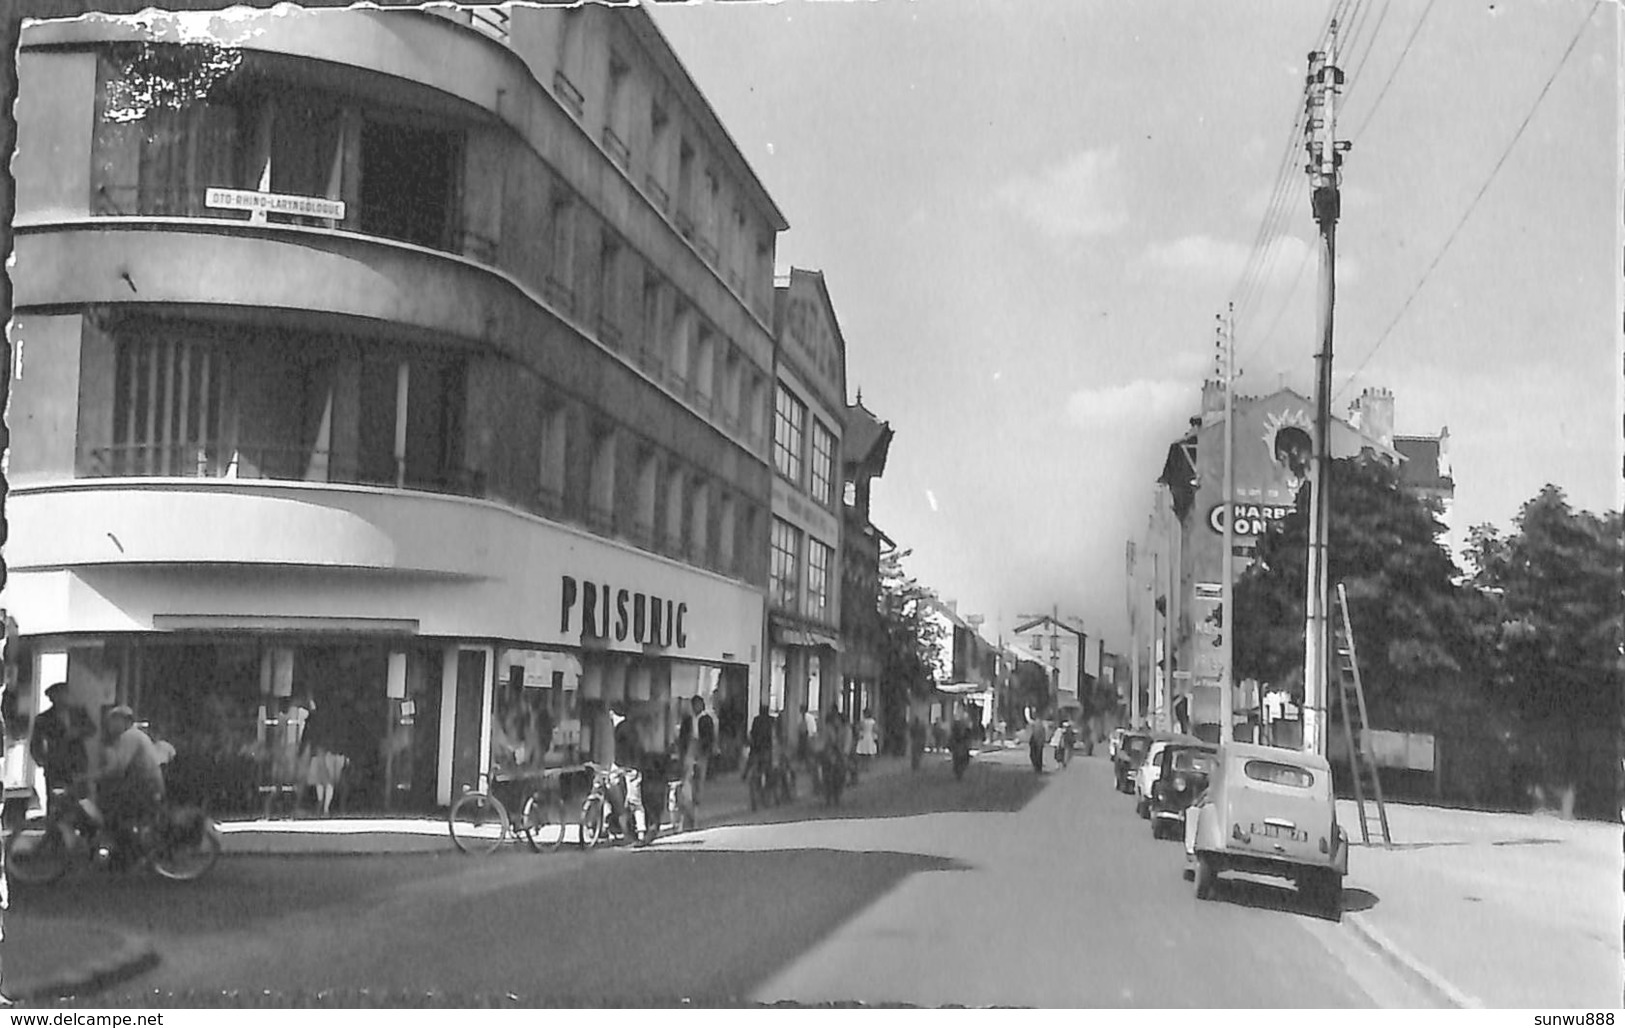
x: 179, y: 843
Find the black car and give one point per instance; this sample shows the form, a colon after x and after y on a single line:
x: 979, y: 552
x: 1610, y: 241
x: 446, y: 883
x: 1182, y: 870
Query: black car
x: 1130, y: 753
x: 1183, y: 772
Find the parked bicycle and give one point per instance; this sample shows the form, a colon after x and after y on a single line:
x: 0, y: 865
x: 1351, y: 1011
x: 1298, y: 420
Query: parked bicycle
x: 605, y: 807
x: 480, y: 821
x: 180, y: 843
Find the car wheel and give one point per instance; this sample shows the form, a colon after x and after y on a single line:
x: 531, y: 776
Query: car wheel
x: 1207, y: 877
x: 1142, y: 808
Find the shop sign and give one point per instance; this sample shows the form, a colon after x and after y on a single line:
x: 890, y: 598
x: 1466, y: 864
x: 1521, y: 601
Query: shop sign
x: 1251, y: 518
x: 274, y: 203
x: 598, y: 610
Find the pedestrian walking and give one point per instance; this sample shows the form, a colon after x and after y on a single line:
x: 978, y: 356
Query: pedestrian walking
x: 868, y: 739
x: 696, y: 741
x: 1037, y: 735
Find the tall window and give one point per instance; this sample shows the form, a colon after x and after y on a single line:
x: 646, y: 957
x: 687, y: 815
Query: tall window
x: 615, y: 112
x: 609, y: 291
x: 550, y: 491
x: 789, y: 424
x: 561, y: 263
x: 786, y: 570
x: 818, y: 560
x: 823, y: 462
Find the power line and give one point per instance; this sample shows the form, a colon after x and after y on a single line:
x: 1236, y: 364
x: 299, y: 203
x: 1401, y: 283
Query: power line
x: 1468, y: 213
x: 1371, y: 47
x: 1394, y: 70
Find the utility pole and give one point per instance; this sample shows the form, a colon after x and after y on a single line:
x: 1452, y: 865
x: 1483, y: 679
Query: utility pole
x: 1227, y: 606
x: 1325, y: 158
x: 1134, y: 641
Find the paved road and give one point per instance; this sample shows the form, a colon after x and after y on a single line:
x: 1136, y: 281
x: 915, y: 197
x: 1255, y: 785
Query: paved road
x: 1007, y: 888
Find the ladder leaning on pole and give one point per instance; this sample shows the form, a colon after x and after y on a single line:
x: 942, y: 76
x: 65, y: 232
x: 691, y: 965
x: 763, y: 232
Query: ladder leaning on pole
x: 1361, y: 760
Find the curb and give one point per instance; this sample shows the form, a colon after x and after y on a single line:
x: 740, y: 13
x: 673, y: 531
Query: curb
x: 133, y: 956
x: 1412, y: 968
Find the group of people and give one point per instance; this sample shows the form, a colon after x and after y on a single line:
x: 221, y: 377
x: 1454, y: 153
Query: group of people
x: 118, y: 767
x: 827, y: 745
x: 639, y: 775
x: 1060, y: 735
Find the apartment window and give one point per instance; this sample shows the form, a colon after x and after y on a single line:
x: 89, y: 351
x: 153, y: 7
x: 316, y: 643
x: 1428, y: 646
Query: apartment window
x: 704, y: 365
x: 564, y: 86
x: 699, y: 520
x: 614, y: 112
x: 823, y: 462
x: 818, y: 561
x: 171, y: 411
x: 710, y: 216
x: 753, y: 402
x: 685, y: 188
x: 739, y: 252
x: 682, y: 326
x: 789, y: 424
x: 601, y: 494
x: 659, y: 159
x: 609, y: 291
x: 725, y: 533
x: 731, y: 368
x: 561, y: 258
x: 555, y: 424
x: 786, y: 572
x: 409, y: 183
x: 653, y: 319
x: 671, y: 540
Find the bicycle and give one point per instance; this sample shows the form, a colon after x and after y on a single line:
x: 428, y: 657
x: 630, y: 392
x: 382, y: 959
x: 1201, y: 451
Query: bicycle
x: 178, y: 843
x: 595, y: 821
x: 480, y: 822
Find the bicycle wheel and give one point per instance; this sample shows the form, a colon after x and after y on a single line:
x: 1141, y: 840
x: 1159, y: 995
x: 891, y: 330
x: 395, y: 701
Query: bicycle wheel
x: 542, y: 821
x: 592, y: 822
x: 36, y: 853
x: 478, y: 823
x: 187, y: 856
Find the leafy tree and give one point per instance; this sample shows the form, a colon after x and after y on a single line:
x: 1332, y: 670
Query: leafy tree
x: 1414, y: 627
x: 912, y: 641
x: 1553, y: 589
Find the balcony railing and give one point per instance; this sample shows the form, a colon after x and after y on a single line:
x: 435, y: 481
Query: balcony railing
x: 277, y: 463
x: 567, y: 93
x: 657, y: 192
x: 560, y: 295
x: 617, y: 149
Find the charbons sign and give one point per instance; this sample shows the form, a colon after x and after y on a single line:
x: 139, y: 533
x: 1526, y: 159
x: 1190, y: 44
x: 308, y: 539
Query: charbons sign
x: 1251, y: 518
x: 605, y: 612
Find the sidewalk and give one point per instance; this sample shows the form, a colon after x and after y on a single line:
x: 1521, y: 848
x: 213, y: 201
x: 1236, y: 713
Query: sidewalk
x: 724, y: 798
x: 1492, y: 909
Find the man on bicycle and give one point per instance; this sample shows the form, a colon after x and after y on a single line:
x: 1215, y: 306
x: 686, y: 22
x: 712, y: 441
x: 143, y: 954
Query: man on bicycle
x: 130, y: 780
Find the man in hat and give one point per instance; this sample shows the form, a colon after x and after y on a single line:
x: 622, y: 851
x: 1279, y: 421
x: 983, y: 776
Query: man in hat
x: 130, y: 782
x: 58, y: 741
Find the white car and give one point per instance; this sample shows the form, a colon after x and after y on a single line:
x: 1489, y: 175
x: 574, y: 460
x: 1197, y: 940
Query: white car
x: 1145, y: 776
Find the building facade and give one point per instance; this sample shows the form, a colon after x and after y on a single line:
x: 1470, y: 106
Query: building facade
x: 414, y: 366
x: 1063, y: 650
x: 1272, y: 461
x: 804, y: 589
x: 864, y: 448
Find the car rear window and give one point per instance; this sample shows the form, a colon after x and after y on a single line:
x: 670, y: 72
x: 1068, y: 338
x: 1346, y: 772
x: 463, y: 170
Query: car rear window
x: 1193, y: 760
x: 1279, y: 774
x: 1137, y: 745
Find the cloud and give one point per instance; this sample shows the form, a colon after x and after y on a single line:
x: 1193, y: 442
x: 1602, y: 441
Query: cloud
x: 1134, y: 407
x: 1080, y: 197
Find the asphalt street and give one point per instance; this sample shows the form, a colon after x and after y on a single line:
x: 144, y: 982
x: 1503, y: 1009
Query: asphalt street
x: 1007, y: 888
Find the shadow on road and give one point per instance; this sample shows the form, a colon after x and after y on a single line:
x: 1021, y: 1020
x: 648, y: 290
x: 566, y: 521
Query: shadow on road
x: 1273, y: 894
x: 668, y: 928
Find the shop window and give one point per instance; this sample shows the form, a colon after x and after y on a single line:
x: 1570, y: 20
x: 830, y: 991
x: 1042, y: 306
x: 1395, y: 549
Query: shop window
x: 789, y: 425
x: 823, y: 463
x: 409, y: 183
x: 818, y: 561
x: 786, y: 569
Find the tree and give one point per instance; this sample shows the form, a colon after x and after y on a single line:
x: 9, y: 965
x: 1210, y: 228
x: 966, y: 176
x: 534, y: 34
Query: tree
x: 1414, y: 627
x: 911, y: 641
x: 1553, y: 590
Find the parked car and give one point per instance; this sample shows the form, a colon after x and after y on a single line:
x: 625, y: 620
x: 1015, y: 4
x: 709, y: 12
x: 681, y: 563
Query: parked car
x: 1145, y: 776
x: 1182, y: 774
x: 1269, y: 811
x: 1130, y: 752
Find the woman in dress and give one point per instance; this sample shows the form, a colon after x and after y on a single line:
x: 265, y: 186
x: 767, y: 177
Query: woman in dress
x: 868, y: 739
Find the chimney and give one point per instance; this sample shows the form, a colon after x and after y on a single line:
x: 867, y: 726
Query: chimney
x: 1373, y: 414
x: 1212, y: 401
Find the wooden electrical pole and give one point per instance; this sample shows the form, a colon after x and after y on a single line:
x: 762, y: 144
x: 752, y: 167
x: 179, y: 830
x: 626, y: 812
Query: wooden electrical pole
x: 1325, y: 158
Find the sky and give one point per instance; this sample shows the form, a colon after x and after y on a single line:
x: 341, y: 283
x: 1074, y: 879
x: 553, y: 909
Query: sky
x: 1029, y: 215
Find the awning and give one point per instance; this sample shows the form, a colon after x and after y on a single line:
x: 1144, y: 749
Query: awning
x: 795, y: 635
